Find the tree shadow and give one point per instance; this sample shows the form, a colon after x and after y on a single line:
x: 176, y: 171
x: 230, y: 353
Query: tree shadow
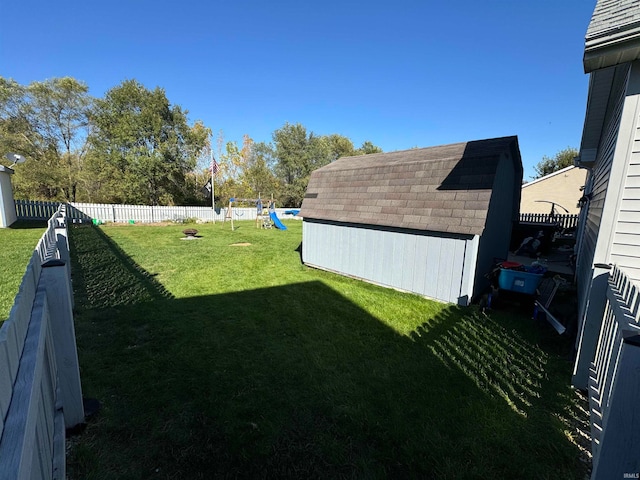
x: 297, y: 381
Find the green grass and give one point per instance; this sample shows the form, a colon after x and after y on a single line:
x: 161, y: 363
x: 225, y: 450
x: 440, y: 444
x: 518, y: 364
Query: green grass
x: 17, y: 243
x: 220, y: 361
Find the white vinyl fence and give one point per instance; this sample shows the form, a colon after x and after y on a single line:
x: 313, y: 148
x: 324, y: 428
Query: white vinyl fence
x: 86, y: 212
x: 614, y: 383
x: 40, y: 391
x: 565, y: 221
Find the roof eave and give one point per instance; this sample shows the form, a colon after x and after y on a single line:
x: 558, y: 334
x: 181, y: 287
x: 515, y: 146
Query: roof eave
x: 600, y: 83
x: 612, y: 48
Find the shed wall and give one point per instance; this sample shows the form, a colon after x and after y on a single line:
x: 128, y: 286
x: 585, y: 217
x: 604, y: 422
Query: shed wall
x: 7, y: 207
x: 494, y: 243
x: 430, y: 264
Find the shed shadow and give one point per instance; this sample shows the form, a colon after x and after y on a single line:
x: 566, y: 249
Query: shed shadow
x: 476, y: 169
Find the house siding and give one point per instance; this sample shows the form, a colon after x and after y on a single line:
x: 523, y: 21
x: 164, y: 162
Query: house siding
x: 598, y: 183
x: 402, y: 259
x: 625, y: 249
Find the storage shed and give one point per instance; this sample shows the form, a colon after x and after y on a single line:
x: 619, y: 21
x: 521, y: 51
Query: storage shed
x: 428, y: 221
x: 7, y: 204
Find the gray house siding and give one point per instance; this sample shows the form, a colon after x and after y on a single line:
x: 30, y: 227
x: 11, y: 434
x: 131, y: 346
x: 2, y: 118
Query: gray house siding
x: 402, y: 259
x: 612, y: 218
x: 599, y: 181
x: 625, y: 248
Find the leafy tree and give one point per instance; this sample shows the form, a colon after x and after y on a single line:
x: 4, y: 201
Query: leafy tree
x: 297, y: 153
x: 258, y: 175
x: 339, y: 146
x: 201, y: 174
x: 47, y: 122
x: 367, y: 148
x: 562, y: 159
x: 143, y: 146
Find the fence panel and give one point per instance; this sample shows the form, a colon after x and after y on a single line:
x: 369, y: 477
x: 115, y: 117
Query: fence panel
x: 614, y: 383
x: 565, y: 221
x: 35, y: 210
x: 35, y: 396
x: 86, y: 212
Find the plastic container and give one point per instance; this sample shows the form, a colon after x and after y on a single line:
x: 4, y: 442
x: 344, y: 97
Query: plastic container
x: 518, y: 281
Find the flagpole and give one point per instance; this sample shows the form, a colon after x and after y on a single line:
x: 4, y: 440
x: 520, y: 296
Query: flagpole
x: 213, y: 194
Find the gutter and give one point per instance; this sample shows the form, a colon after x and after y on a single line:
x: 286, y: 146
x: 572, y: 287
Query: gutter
x: 612, y: 47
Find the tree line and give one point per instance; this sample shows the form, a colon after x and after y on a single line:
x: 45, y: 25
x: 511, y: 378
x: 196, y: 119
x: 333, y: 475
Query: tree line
x: 134, y: 146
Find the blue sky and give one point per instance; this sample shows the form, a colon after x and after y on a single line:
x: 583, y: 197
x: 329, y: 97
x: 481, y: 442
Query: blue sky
x: 400, y: 74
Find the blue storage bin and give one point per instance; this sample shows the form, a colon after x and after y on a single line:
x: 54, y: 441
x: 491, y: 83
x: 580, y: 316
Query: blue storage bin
x: 517, y: 281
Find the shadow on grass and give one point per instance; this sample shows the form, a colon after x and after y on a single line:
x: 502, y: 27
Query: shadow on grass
x: 28, y: 224
x: 297, y: 381
x: 105, y: 277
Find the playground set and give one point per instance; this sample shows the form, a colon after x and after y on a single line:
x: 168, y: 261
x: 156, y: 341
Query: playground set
x: 266, y: 216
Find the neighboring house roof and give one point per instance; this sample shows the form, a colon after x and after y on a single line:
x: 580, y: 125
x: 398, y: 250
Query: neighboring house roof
x: 445, y: 189
x: 613, y: 36
x: 547, y: 177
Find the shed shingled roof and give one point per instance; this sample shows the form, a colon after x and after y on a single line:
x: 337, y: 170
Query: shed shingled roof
x: 444, y: 189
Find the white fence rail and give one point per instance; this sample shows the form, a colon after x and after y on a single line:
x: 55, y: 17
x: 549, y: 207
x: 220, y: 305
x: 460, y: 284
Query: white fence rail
x: 40, y: 392
x: 86, y: 212
x: 614, y: 384
x: 565, y: 221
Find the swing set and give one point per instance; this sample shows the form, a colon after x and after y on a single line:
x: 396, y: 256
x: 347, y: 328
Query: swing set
x: 263, y: 218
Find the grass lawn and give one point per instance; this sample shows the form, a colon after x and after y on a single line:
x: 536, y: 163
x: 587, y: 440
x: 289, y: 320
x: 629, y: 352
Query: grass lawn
x: 215, y: 360
x: 18, y: 243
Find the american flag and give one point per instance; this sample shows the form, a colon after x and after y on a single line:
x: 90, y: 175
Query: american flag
x: 214, y: 166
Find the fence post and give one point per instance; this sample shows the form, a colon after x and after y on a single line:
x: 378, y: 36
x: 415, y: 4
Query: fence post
x: 590, y: 325
x: 58, y: 288
x: 620, y: 442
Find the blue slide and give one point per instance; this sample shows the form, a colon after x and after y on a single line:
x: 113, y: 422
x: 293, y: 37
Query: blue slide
x: 276, y: 221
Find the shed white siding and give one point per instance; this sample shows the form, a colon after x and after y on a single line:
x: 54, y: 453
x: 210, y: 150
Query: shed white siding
x: 7, y: 207
x: 405, y: 260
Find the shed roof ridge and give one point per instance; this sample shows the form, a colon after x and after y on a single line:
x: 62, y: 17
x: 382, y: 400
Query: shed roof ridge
x: 505, y: 138
x: 348, y: 167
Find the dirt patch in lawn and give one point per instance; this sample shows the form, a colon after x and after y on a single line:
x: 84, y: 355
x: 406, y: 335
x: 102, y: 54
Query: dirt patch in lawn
x: 240, y: 244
